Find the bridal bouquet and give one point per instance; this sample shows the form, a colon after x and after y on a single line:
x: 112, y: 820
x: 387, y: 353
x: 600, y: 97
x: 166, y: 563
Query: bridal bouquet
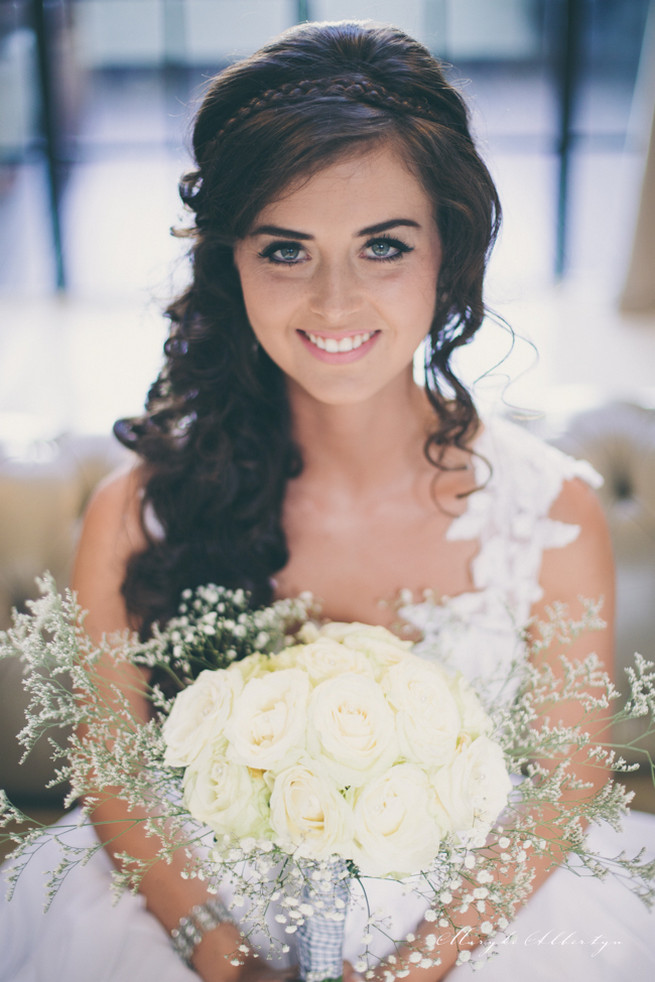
x: 299, y: 767
x: 345, y: 744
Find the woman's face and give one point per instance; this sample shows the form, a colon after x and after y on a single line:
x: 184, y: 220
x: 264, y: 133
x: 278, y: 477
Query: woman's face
x: 339, y: 277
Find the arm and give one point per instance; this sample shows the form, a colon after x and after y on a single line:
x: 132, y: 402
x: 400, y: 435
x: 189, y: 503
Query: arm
x: 111, y: 533
x: 583, y: 569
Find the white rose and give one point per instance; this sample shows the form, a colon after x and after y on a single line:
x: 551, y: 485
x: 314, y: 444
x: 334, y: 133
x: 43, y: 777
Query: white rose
x: 339, y: 630
x: 324, y: 658
x: 252, y: 666
x: 397, y: 824
x: 475, y: 720
x: 351, y: 729
x: 474, y: 787
x: 428, y: 721
x: 379, y: 644
x: 286, y: 658
x: 308, y: 814
x: 308, y: 633
x: 199, y: 715
x: 267, y: 726
x: 228, y: 797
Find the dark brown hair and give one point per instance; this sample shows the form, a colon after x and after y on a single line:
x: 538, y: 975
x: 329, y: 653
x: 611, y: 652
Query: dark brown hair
x: 216, y: 434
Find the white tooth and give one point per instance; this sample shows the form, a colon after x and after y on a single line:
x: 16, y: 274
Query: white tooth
x: 333, y: 346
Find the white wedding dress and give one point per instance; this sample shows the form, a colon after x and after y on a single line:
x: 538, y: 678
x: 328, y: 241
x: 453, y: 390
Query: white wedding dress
x: 574, y: 927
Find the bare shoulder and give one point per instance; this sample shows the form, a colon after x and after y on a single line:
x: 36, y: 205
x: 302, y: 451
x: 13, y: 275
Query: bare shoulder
x: 584, y: 567
x: 112, y: 521
x: 111, y: 533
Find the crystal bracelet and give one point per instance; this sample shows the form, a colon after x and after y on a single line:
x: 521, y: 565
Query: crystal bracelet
x: 193, y: 926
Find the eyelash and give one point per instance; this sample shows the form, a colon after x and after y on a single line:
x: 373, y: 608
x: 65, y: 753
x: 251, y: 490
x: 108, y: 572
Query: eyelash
x: 269, y: 251
x: 402, y: 248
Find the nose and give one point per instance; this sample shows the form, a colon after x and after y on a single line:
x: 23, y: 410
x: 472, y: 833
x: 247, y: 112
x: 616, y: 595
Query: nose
x: 335, y: 294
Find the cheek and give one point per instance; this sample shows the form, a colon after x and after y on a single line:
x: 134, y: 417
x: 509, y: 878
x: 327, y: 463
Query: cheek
x: 251, y: 287
x: 267, y: 299
x: 251, y: 298
x: 427, y: 286
x: 254, y: 299
x: 420, y: 296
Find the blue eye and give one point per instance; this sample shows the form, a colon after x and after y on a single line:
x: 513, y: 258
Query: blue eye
x: 283, y: 253
x: 386, y: 249
x: 381, y: 249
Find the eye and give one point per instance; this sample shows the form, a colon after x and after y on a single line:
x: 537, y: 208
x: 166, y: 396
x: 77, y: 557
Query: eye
x: 284, y: 253
x: 385, y: 248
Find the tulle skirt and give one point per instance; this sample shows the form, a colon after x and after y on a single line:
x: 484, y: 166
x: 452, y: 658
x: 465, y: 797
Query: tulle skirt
x: 574, y: 927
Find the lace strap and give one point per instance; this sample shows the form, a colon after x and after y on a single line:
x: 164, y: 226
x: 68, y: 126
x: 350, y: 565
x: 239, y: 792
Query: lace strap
x: 510, y: 515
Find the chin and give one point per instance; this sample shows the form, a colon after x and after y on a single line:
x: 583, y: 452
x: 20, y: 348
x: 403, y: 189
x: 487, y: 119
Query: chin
x: 355, y: 393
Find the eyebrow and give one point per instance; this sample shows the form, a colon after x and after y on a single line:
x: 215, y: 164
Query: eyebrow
x: 289, y: 233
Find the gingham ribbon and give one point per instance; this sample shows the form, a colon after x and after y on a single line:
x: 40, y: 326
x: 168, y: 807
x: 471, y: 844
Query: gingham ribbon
x: 320, y: 936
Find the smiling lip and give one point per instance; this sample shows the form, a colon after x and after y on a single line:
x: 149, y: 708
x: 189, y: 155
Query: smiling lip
x: 339, y: 349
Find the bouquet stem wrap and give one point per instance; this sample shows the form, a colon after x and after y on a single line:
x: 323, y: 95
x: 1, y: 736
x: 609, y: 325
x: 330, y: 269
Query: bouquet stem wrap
x: 320, y: 935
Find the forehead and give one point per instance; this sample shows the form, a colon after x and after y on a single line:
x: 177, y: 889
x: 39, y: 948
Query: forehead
x: 375, y: 182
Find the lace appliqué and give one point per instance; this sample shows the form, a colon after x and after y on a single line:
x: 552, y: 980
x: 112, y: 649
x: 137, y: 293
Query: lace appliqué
x: 480, y: 632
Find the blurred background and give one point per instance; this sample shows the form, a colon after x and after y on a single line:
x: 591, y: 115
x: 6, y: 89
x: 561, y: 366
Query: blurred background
x: 96, y: 101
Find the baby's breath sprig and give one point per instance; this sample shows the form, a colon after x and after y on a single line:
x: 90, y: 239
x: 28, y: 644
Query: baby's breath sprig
x: 215, y: 626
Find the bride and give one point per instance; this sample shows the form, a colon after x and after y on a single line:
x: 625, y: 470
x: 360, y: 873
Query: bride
x: 342, y: 217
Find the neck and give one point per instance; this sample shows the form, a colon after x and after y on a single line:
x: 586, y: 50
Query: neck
x: 363, y: 445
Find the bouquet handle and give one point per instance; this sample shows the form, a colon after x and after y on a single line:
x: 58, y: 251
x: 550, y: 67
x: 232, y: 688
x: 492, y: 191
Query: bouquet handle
x: 320, y: 934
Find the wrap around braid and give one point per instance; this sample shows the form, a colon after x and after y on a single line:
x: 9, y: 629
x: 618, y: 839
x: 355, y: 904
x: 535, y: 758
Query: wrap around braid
x: 361, y: 90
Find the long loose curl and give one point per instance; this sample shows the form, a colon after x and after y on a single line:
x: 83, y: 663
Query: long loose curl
x: 216, y: 435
